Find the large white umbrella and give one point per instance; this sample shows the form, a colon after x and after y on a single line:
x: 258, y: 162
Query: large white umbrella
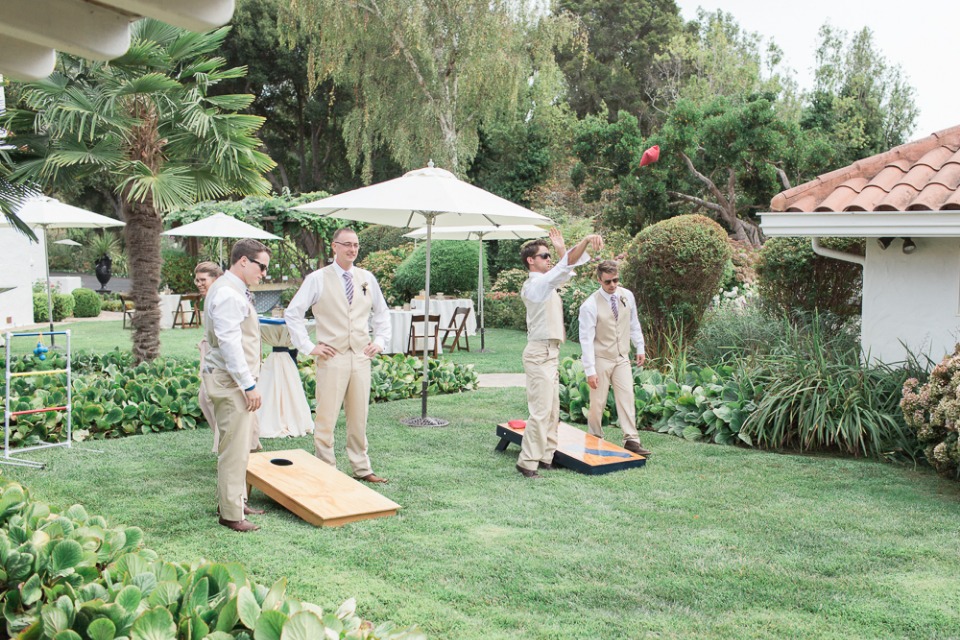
x: 506, y: 232
x: 220, y: 225
x: 428, y: 197
x: 48, y: 213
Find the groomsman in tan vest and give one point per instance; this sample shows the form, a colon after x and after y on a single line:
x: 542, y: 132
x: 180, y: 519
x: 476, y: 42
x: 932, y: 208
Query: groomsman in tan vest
x: 346, y: 300
x: 230, y: 373
x: 608, y: 324
x: 545, y: 332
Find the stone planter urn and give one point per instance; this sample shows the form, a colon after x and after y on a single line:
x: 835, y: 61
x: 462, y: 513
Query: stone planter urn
x: 103, y: 267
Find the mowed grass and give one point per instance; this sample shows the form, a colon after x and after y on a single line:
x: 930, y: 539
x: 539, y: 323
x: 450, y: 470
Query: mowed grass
x: 705, y: 542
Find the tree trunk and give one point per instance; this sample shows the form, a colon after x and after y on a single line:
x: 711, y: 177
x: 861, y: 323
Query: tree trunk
x: 142, y: 232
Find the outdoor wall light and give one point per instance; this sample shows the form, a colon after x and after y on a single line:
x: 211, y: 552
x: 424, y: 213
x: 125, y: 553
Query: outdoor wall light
x: 884, y: 242
x: 909, y: 246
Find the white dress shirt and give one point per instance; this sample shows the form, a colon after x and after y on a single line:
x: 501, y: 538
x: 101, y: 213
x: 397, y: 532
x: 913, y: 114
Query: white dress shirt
x: 588, y: 327
x: 228, y: 308
x: 541, y: 285
x: 308, y: 295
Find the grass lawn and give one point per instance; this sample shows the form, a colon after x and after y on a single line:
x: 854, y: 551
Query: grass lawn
x: 706, y: 541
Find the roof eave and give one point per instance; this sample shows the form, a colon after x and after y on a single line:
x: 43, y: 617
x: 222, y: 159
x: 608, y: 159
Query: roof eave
x: 914, y: 224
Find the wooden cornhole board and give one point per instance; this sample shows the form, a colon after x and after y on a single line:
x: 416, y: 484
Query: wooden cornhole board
x: 314, y: 490
x: 579, y: 450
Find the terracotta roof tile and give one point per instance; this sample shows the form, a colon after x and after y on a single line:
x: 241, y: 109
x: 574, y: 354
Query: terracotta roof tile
x: 923, y: 175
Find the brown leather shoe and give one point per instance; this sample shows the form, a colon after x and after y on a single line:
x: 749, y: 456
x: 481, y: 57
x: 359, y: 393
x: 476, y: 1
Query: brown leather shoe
x: 250, y: 511
x: 527, y: 473
x: 636, y: 448
x: 371, y: 477
x: 239, y: 525
x: 547, y: 467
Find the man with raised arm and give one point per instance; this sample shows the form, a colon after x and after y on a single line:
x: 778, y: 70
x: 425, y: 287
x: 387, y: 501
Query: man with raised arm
x: 608, y: 325
x: 545, y: 332
x: 346, y: 300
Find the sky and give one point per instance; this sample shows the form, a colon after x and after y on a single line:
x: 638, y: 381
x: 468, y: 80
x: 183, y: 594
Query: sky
x: 918, y: 35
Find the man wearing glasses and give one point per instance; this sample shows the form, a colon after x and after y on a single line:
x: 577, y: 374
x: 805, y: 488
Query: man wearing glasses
x: 346, y: 300
x: 545, y: 332
x: 608, y: 324
x: 230, y: 374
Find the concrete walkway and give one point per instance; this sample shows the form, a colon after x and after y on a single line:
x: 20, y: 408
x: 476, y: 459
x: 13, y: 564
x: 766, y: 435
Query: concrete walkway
x: 500, y: 380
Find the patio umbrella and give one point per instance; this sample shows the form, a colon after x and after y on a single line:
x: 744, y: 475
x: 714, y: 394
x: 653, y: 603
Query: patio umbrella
x: 428, y: 197
x: 48, y: 213
x: 68, y: 242
x: 220, y: 225
x: 506, y: 232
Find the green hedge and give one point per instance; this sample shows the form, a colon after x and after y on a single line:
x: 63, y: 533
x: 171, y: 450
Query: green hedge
x: 176, y: 272
x: 70, y: 576
x: 453, y: 269
x: 87, y: 303
x: 63, y: 305
x: 504, y: 310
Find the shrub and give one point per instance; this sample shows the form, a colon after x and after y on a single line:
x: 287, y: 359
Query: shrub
x: 62, y: 307
x: 453, y: 269
x: 383, y: 265
x: 729, y: 332
x: 87, y: 303
x: 176, y: 271
x: 674, y: 269
x: 573, y: 294
x: 792, y: 278
x: 504, y: 310
x: 380, y: 237
x: 932, y: 410
x: 510, y: 280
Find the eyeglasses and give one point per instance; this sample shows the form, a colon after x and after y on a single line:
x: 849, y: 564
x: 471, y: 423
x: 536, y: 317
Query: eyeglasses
x: 263, y: 267
x: 348, y: 245
x: 543, y: 256
x: 611, y: 281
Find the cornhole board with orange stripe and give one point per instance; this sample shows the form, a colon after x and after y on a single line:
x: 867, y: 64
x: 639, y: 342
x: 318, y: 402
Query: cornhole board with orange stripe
x: 579, y: 450
x: 314, y: 490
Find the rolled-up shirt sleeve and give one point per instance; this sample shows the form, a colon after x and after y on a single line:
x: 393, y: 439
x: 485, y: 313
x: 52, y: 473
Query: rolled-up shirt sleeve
x: 295, y: 314
x: 540, y: 288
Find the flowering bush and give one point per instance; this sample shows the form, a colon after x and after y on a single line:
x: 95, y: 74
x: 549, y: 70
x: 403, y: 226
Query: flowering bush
x: 510, y: 280
x: 932, y: 409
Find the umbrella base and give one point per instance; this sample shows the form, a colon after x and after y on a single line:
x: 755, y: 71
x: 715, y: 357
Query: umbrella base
x: 425, y: 422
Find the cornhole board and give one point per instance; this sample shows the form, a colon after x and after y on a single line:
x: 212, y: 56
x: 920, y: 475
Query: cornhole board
x: 314, y: 490
x: 578, y: 450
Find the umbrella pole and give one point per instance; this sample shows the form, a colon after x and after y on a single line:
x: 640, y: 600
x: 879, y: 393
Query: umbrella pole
x: 480, y: 297
x: 426, y: 322
x: 46, y: 263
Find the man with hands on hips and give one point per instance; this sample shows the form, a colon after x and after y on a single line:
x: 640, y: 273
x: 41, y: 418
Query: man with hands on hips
x: 346, y: 300
x: 608, y: 325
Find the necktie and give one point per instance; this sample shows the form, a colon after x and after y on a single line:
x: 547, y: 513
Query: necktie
x: 348, y: 283
x: 614, y: 307
x: 251, y: 299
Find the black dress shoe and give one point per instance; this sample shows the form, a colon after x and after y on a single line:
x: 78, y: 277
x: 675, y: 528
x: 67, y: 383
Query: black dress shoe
x: 242, y: 526
x: 547, y: 467
x: 527, y: 473
x: 637, y: 448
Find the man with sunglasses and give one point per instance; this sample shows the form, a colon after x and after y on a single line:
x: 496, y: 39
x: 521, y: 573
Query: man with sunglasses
x: 230, y: 373
x: 545, y: 332
x: 346, y: 301
x: 608, y: 324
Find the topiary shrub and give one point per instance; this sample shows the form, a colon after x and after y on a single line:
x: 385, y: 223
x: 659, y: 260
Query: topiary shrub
x: 504, y: 310
x: 510, y: 280
x: 380, y: 237
x: 453, y: 269
x: 674, y: 269
x: 932, y: 410
x: 87, y: 303
x: 62, y: 307
x: 383, y: 265
x: 791, y: 277
x: 176, y: 271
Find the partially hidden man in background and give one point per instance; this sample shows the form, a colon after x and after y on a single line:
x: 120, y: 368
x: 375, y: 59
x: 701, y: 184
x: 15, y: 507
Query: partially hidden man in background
x: 230, y: 375
x: 545, y: 332
x: 346, y: 300
x: 608, y: 325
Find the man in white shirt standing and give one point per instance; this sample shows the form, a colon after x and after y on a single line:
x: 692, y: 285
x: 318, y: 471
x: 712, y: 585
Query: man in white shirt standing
x: 230, y: 375
x: 346, y: 300
x: 608, y: 325
x: 545, y: 332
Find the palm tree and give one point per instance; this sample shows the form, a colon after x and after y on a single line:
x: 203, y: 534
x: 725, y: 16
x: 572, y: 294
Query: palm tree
x: 149, y: 124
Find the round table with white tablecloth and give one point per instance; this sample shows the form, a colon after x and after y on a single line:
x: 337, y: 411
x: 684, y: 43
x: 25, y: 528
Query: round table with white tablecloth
x: 285, y: 411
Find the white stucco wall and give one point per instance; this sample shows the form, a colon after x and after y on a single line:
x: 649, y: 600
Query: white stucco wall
x: 21, y: 263
x: 913, y: 299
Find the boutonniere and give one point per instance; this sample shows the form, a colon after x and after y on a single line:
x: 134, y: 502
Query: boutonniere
x: 363, y: 288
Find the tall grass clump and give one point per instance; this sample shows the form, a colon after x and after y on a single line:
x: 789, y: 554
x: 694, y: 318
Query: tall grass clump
x: 731, y: 331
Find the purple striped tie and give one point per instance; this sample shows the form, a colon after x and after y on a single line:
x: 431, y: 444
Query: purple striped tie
x: 613, y: 307
x: 348, y: 283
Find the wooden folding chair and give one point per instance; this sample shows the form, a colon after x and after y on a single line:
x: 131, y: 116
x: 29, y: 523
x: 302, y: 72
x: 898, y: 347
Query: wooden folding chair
x: 416, y: 337
x: 458, y: 327
x: 128, y: 309
x: 188, y: 313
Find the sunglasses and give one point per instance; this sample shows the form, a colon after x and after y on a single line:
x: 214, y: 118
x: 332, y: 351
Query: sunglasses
x: 611, y: 281
x: 543, y: 256
x: 263, y: 267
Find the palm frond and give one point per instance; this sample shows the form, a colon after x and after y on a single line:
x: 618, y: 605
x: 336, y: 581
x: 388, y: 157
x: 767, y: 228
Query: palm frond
x: 168, y: 188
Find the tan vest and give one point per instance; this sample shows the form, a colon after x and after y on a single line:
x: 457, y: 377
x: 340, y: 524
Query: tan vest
x: 249, y: 329
x: 613, y: 335
x: 344, y: 326
x: 544, y: 319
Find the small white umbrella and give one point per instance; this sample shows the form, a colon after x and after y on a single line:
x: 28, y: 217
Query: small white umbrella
x: 68, y: 242
x: 506, y: 232
x: 428, y: 197
x: 220, y: 225
x: 48, y: 213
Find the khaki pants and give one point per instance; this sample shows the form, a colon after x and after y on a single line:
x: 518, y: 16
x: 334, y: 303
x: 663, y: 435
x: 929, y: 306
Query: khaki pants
x: 206, y: 408
x: 541, y: 361
x: 619, y: 373
x: 234, y: 424
x: 343, y: 380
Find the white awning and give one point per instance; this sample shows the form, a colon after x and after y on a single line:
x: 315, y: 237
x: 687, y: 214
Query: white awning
x: 31, y: 31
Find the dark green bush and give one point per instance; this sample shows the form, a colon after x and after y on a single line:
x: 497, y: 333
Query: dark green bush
x: 380, y: 237
x: 87, y: 303
x: 62, y: 307
x: 177, y: 271
x: 383, y: 265
x: 674, y: 269
x: 453, y: 269
x: 792, y: 278
x: 504, y: 310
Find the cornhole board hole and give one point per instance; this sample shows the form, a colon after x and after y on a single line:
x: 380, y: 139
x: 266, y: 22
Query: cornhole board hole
x: 579, y: 450
x: 314, y: 490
